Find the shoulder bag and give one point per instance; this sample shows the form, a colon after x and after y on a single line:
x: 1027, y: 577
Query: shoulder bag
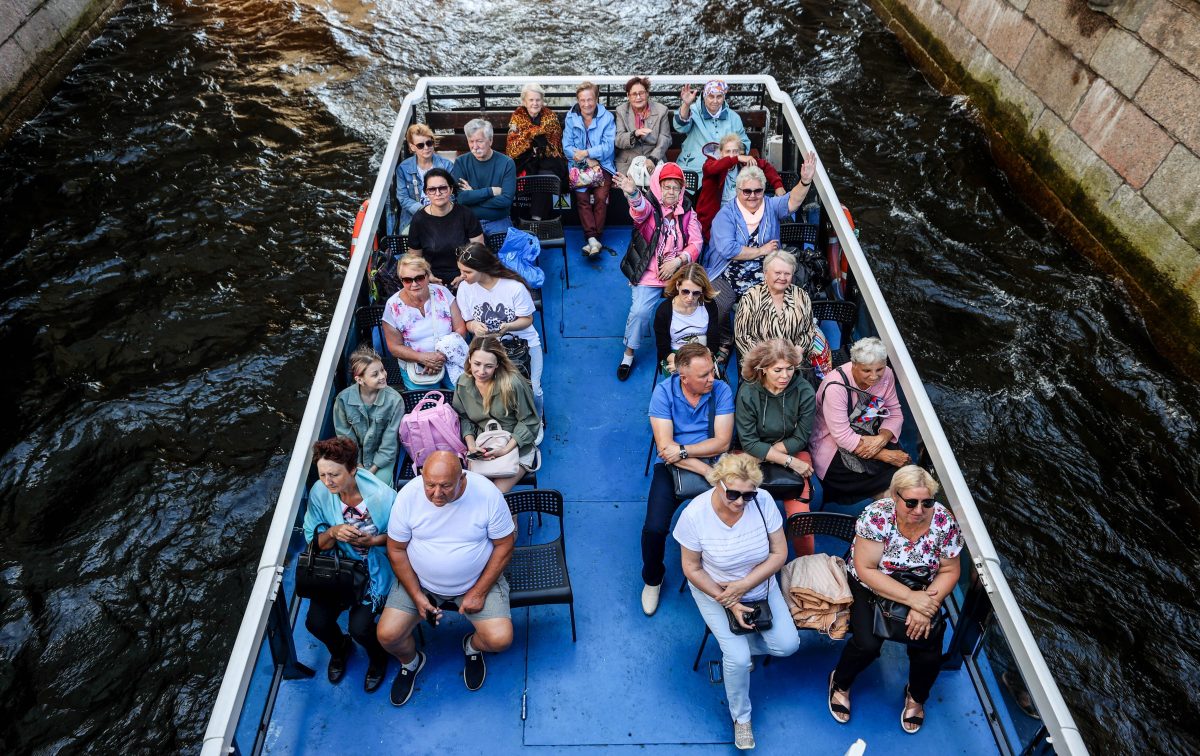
x: 517, y: 350
x: 889, y: 617
x: 493, y: 438
x: 865, y: 417
x: 329, y: 578
x: 760, y: 611
x: 689, y: 485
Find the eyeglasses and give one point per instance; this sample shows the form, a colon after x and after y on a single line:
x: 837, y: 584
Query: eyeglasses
x: 423, y: 145
x: 752, y: 192
x: 734, y: 495
x: 439, y: 189
x: 690, y: 292
x: 914, y: 503
x: 406, y: 280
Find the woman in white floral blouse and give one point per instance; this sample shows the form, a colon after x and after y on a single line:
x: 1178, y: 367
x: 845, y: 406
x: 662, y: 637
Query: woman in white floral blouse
x: 904, y: 530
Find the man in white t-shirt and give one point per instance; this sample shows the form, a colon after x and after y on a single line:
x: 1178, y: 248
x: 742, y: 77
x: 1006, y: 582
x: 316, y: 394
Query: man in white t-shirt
x: 450, y: 537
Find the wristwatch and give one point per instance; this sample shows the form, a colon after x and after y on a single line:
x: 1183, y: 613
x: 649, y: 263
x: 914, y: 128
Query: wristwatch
x: 683, y: 452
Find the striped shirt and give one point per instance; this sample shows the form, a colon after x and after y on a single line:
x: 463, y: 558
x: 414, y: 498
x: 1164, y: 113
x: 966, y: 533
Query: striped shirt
x: 730, y: 553
x: 758, y: 319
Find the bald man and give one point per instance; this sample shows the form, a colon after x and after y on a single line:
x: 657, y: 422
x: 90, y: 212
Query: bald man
x: 450, y: 537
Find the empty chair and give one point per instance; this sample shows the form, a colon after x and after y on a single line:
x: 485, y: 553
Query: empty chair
x: 537, y: 574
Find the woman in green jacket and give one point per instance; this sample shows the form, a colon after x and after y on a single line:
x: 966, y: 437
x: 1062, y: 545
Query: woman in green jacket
x: 774, y: 415
x: 493, y: 389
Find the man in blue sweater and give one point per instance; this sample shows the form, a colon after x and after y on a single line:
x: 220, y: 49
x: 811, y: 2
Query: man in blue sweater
x: 487, y: 180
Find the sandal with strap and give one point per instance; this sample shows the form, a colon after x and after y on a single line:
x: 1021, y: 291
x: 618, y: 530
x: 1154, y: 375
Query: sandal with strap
x: 836, y: 709
x: 915, y: 719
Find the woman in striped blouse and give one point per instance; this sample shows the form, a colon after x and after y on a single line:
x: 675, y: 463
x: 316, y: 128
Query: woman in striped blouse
x: 778, y: 309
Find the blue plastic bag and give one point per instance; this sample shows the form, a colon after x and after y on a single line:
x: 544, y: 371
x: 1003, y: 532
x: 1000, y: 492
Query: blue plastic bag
x: 519, y: 253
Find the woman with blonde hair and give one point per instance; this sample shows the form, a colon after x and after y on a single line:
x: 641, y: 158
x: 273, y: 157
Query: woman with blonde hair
x: 410, y: 173
x: 687, y: 315
x: 493, y: 389
x: 423, y: 327
x: 731, y: 544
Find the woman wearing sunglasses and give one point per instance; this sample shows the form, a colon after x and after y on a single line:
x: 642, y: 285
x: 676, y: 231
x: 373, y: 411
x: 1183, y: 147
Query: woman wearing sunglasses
x: 731, y: 542
x: 745, y: 231
x: 857, y: 423
x: 410, y: 174
x: 905, y: 530
x: 423, y: 328
x: 688, y: 315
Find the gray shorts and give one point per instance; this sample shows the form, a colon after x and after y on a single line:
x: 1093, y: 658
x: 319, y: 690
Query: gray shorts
x: 495, y: 604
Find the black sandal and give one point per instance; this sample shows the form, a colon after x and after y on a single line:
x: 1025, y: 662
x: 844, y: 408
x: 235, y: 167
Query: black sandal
x: 913, y: 720
x: 837, y: 708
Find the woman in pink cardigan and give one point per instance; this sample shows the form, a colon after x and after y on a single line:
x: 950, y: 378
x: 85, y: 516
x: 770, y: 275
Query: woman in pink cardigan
x: 857, y: 423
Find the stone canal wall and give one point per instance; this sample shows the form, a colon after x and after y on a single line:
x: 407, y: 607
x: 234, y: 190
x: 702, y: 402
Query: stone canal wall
x: 1095, y: 112
x: 40, y: 40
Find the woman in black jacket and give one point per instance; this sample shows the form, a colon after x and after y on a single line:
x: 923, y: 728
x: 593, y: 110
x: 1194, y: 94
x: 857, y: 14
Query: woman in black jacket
x: 688, y: 315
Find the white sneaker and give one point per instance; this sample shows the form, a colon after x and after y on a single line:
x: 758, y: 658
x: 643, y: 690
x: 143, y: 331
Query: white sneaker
x: 595, y: 245
x: 743, y: 736
x: 650, y: 599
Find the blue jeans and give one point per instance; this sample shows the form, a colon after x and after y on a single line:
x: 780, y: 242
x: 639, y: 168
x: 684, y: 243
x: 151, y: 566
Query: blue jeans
x: 496, y: 226
x: 736, y: 650
x: 641, y: 314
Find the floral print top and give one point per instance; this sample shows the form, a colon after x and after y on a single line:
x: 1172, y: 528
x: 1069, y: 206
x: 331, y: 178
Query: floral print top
x: 421, y: 330
x: 943, y: 540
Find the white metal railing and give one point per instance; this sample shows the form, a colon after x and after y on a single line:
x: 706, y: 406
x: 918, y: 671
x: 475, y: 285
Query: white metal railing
x: 228, y: 706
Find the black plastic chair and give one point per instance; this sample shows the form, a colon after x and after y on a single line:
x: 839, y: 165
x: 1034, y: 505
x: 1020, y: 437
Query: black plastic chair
x: 691, y: 181
x: 845, y: 314
x: 550, y: 234
x: 800, y: 524
x: 537, y: 574
x: 368, y: 320
x: 395, y: 246
x: 797, y: 234
x: 495, y: 242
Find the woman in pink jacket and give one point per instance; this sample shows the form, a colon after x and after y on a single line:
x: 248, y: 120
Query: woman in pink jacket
x: 857, y: 424
x: 665, y: 222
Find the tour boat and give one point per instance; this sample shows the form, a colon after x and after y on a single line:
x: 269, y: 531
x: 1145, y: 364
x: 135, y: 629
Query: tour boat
x: 628, y: 680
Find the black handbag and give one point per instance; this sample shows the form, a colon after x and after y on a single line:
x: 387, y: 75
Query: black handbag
x: 517, y: 350
x: 689, y: 485
x: 329, y: 578
x: 777, y: 478
x: 889, y: 617
x: 760, y: 611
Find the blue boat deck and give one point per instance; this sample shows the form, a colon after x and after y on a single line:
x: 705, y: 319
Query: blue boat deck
x: 628, y: 681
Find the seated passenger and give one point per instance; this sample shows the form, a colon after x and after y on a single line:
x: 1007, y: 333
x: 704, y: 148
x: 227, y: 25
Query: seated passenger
x: 441, y: 227
x: 449, y: 539
x: 588, y: 137
x: 731, y: 544
x: 691, y: 416
x: 671, y: 233
x: 369, y: 412
x: 857, y: 423
x: 423, y: 328
x: 720, y: 175
x: 486, y: 179
x: 705, y: 124
x: 350, y: 507
x: 774, y: 414
x: 495, y: 301
x: 778, y: 309
x: 535, y: 144
x: 643, y: 127
x: 890, y: 538
x: 687, y: 316
x: 747, y: 230
x: 410, y: 174
x: 493, y: 389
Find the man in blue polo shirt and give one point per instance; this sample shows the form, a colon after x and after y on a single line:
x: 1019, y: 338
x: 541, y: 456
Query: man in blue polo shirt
x: 685, y: 437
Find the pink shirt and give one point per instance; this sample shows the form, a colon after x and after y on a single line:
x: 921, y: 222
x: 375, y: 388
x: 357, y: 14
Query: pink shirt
x: 831, y: 426
x: 643, y: 217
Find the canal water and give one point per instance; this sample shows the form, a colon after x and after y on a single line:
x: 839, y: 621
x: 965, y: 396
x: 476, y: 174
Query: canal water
x: 173, y: 233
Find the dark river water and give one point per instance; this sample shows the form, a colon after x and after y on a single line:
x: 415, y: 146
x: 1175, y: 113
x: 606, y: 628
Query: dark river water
x: 174, y: 227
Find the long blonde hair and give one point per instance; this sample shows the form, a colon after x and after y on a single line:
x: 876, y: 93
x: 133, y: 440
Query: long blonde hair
x: 506, y: 375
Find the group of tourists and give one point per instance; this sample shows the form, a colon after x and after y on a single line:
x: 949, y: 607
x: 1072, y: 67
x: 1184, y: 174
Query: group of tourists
x: 709, y: 280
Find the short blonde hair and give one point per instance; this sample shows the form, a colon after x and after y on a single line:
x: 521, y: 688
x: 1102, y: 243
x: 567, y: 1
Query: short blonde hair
x: 419, y: 129
x: 912, y: 476
x: 414, y: 261
x: 731, y: 137
x: 767, y: 353
x: 587, y: 85
x: 534, y: 87
x: 736, y: 466
x: 783, y: 256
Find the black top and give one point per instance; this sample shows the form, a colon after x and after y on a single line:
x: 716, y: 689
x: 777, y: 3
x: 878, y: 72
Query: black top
x: 439, y: 238
x: 662, y: 327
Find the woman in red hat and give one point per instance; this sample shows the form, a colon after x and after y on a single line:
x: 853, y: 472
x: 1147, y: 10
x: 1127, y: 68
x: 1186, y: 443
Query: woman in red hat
x: 666, y: 237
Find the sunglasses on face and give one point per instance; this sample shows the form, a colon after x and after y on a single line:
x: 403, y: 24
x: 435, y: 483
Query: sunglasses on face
x: 440, y: 188
x: 423, y: 145
x: 407, y: 280
x: 734, y: 495
x: 691, y: 292
x: 914, y: 503
x: 752, y: 192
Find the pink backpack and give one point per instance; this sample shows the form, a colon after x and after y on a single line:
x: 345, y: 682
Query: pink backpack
x: 431, y: 426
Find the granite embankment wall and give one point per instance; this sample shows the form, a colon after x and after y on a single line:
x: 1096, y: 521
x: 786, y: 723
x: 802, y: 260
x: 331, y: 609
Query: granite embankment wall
x: 40, y: 40
x: 1095, y: 113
